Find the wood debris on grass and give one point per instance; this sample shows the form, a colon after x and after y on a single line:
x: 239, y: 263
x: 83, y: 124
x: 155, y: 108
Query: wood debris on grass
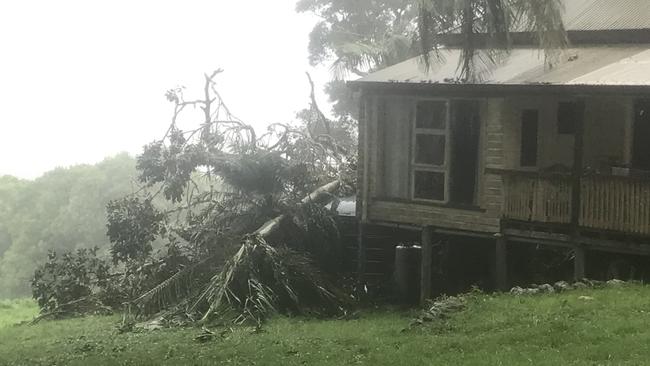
x: 441, y: 308
x: 79, y: 307
x: 562, y: 286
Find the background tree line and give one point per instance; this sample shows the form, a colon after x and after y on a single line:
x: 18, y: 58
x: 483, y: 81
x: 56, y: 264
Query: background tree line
x: 63, y: 210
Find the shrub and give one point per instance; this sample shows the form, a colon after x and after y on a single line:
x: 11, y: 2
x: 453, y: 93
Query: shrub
x: 70, y: 277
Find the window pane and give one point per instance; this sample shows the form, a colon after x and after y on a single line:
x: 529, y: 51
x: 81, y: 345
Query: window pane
x: 430, y: 149
x: 529, y: 122
x: 431, y: 114
x: 430, y: 185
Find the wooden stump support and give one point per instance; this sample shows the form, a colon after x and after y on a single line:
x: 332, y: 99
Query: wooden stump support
x: 501, y: 263
x: 361, y: 255
x: 579, y: 263
x: 425, y: 271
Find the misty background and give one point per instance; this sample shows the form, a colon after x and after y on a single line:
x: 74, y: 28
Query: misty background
x: 84, y: 80
x: 83, y: 90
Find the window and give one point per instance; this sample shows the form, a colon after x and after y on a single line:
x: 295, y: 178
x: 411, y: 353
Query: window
x: 529, y: 124
x: 431, y: 115
x: 430, y: 150
x: 430, y: 185
x: 567, y: 113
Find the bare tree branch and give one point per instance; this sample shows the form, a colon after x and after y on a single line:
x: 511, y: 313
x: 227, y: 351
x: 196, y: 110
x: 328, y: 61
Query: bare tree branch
x: 314, y: 105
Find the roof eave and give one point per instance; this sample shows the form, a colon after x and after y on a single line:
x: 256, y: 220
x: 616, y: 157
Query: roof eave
x: 500, y: 89
x: 575, y: 37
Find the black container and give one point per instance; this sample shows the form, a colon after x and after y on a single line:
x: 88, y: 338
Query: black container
x: 407, y: 273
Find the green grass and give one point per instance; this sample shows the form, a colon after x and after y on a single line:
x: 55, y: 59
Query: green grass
x: 16, y: 311
x: 562, y: 329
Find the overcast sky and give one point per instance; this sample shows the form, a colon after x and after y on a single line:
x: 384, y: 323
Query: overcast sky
x: 82, y: 80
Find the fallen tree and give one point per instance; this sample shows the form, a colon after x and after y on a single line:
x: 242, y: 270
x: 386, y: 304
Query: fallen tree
x: 261, y: 279
x: 229, y: 225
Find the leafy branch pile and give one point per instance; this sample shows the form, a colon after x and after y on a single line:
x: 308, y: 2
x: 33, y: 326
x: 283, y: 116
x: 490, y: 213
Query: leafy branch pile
x: 227, y: 224
x: 439, y: 309
x: 64, y: 280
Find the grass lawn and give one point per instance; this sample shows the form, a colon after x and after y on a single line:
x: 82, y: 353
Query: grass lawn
x: 16, y: 311
x: 611, y: 327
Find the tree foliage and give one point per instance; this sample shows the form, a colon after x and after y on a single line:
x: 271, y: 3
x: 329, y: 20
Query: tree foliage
x: 357, y: 37
x: 497, y: 19
x: 72, y: 276
x: 241, y: 229
x: 244, y: 181
x: 133, y: 225
x: 360, y: 35
x: 63, y: 210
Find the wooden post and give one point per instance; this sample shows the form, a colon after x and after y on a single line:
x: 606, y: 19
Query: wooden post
x: 579, y: 263
x: 501, y: 263
x: 578, y: 157
x: 425, y: 271
x: 576, y: 192
x: 361, y: 254
x: 362, y: 192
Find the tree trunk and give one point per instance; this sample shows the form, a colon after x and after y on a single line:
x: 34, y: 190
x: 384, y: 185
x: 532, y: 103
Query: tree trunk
x: 320, y: 195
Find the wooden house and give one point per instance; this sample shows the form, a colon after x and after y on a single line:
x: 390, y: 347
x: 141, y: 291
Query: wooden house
x: 552, y: 154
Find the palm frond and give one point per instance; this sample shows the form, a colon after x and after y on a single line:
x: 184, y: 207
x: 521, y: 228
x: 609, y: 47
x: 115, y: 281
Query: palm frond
x: 544, y: 18
x: 357, y: 55
x: 260, y: 280
x: 171, y: 291
x: 494, y: 21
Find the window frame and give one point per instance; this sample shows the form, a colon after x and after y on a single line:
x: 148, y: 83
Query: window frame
x: 444, y: 168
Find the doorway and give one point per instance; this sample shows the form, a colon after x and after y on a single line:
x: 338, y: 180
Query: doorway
x: 465, y: 135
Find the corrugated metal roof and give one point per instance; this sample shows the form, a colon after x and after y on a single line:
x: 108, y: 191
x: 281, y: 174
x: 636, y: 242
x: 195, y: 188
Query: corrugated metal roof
x: 606, y: 65
x: 588, y: 15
